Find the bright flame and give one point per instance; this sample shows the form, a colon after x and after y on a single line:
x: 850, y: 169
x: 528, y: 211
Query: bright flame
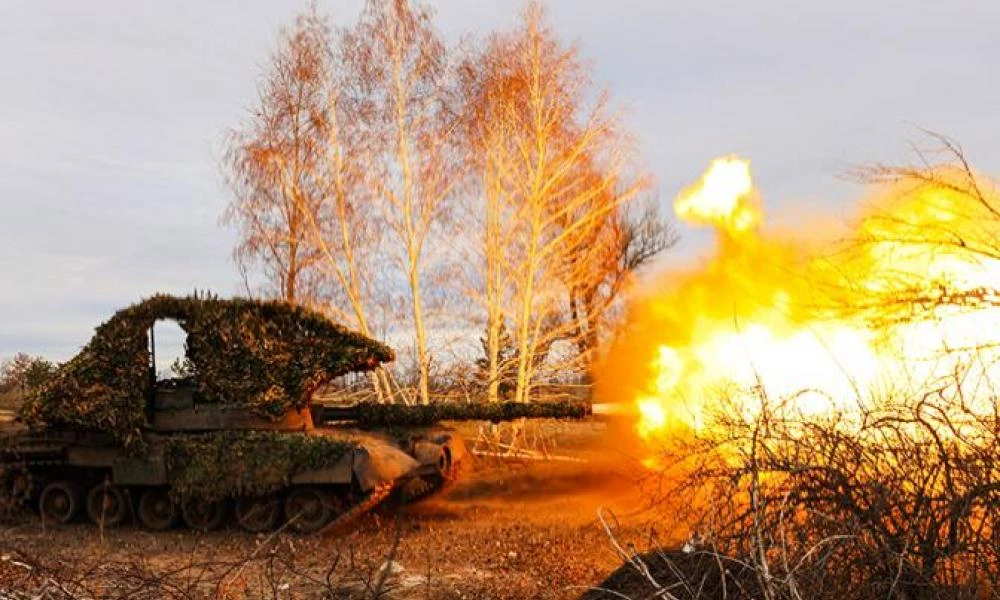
x: 653, y: 416
x: 765, y: 315
x: 724, y: 196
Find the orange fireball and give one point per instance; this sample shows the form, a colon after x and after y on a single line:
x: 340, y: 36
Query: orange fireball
x: 768, y: 317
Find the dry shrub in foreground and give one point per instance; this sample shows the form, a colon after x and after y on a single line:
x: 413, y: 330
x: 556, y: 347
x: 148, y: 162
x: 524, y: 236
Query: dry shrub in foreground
x: 891, y: 498
x: 278, y: 566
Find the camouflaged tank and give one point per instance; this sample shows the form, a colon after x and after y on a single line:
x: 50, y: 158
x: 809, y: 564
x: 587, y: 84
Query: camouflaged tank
x: 233, y: 441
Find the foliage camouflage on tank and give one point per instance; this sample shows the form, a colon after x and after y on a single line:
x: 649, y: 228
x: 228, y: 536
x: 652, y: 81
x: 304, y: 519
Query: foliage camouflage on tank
x: 268, y: 356
x: 222, y: 464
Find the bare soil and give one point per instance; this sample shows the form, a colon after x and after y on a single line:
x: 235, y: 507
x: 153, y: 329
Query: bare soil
x: 509, y: 529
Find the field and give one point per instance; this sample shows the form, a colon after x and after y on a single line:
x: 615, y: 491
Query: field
x: 508, y: 529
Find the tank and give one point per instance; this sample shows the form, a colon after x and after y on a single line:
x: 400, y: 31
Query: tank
x: 106, y: 440
x: 236, y: 438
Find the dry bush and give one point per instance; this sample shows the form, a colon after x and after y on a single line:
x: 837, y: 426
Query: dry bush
x: 893, y: 497
x: 897, y: 498
x: 279, y: 566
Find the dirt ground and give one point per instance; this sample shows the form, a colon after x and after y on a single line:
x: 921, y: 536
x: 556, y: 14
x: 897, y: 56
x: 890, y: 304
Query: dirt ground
x: 509, y: 529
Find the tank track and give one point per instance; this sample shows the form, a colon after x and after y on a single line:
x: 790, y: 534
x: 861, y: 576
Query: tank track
x: 375, y: 497
x: 423, y: 489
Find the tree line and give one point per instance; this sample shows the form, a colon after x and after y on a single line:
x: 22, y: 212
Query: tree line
x: 20, y: 375
x: 427, y: 191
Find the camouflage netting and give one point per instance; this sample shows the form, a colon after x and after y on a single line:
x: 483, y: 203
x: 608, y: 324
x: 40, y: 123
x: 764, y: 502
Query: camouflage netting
x: 244, y: 463
x: 398, y: 415
x: 268, y: 356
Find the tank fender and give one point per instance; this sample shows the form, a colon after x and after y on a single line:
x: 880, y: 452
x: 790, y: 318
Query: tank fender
x: 341, y: 471
x: 375, y: 464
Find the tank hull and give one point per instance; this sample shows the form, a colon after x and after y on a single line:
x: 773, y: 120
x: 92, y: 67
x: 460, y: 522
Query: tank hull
x: 65, y: 474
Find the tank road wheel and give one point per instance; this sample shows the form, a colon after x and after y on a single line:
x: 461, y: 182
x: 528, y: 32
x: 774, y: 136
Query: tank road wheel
x: 157, y: 510
x: 258, y: 513
x: 59, y: 502
x: 107, y: 505
x: 203, y: 515
x: 309, y: 508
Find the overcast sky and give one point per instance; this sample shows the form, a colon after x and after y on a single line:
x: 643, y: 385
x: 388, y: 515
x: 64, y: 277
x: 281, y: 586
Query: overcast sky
x: 112, y: 116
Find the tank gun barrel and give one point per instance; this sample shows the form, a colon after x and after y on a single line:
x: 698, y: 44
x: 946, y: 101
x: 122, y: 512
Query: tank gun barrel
x: 371, y: 414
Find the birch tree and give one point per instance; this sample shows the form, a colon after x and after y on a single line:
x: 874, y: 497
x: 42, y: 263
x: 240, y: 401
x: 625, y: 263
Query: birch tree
x: 488, y: 130
x: 602, y: 262
x: 402, y: 78
x: 273, y: 163
x: 555, y: 172
x: 345, y: 226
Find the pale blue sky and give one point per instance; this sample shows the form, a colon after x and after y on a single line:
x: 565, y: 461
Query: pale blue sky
x: 112, y: 115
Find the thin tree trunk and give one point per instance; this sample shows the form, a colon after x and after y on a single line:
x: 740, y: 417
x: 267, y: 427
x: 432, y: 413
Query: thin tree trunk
x: 526, y: 339
x: 494, y: 310
x: 413, y: 252
x: 526, y: 342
